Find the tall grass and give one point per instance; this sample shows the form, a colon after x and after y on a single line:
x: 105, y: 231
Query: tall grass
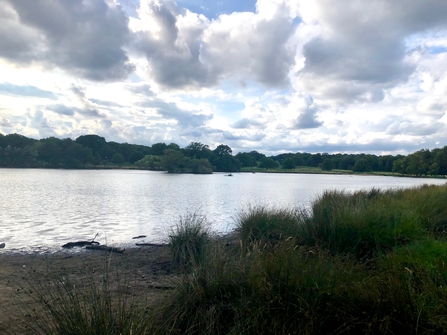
x: 370, y: 262
x: 367, y: 223
x: 267, y: 224
x: 188, y: 240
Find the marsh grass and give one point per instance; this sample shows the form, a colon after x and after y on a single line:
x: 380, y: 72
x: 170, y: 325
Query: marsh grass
x: 369, y: 262
x: 188, y: 240
x: 267, y: 225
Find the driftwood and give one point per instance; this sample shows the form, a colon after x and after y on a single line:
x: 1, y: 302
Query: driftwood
x: 105, y: 248
x: 151, y: 244
x: 79, y: 244
x: 139, y: 236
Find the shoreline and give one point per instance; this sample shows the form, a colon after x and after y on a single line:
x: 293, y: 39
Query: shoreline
x: 305, y: 170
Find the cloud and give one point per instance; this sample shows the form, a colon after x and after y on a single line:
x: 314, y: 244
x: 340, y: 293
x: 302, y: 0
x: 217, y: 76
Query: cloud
x: 84, y: 38
x: 307, y: 118
x: 70, y: 111
x: 173, y: 48
x: 170, y: 111
x: 186, y: 50
x: 361, y: 49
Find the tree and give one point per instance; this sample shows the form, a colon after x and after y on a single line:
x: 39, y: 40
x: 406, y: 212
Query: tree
x: 223, y: 150
x: 267, y: 163
x: 118, y: 159
x: 361, y: 165
x: 288, y: 163
x: 173, y: 161
x: 327, y: 165
x: 158, y: 149
x: 197, y: 150
x: 245, y: 159
x: 200, y: 166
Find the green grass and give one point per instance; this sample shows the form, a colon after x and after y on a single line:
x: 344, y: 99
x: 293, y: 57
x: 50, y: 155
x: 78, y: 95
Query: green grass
x: 188, y: 241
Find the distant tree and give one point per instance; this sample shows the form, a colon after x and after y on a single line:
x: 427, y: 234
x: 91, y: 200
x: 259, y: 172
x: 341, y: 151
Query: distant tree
x: 94, y: 142
x: 361, y: 165
x: 246, y: 160
x: 267, y: 163
x: 136, y: 156
x: 200, y: 166
x: 288, y: 163
x: 150, y: 162
x: 173, y: 161
x: 158, y: 149
x: 327, y: 165
x: 223, y: 150
x: 197, y: 150
x: 118, y: 159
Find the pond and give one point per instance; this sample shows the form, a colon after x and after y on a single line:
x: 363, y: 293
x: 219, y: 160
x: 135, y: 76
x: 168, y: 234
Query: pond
x: 41, y: 209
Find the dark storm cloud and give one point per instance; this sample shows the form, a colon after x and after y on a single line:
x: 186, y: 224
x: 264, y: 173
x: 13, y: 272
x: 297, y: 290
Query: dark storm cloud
x: 85, y: 38
x: 29, y: 91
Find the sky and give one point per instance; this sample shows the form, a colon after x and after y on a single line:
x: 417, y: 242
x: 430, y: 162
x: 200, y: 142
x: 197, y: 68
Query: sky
x: 276, y: 76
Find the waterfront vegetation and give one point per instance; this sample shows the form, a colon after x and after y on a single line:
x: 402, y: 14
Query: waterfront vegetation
x: 93, y: 151
x: 369, y: 262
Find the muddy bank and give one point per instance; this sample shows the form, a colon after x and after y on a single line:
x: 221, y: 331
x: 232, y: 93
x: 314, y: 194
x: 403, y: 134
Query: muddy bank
x: 145, y: 269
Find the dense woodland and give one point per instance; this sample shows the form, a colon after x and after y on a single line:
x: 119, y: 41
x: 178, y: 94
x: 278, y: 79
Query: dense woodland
x: 93, y: 151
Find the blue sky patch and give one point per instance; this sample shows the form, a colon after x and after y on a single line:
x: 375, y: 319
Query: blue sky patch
x: 438, y: 49
x: 212, y: 9
x: 28, y: 91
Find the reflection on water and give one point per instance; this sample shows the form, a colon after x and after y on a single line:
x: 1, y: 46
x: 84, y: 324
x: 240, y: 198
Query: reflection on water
x: 43, y: 209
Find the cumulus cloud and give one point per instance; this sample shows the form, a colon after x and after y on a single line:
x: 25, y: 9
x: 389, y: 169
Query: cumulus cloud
x: 361, y: 49
x: 84, y: 38
x: 187, y: 50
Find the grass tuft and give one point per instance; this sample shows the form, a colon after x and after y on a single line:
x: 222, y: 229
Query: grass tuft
x: 188, y: 241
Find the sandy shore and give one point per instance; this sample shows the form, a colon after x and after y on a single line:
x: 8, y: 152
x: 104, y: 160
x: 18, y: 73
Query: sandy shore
x: 147, y: 269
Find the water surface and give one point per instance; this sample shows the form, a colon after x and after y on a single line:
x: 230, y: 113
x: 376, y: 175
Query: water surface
x: 41, y: 209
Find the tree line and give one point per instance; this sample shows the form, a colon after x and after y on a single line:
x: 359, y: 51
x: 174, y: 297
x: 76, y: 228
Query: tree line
x: 90, y: 151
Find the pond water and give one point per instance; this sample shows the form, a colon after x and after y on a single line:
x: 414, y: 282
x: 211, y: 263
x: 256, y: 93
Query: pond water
x: 41, y: 209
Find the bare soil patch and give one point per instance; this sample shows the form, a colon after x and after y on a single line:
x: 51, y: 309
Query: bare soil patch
x: 146, y: 270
